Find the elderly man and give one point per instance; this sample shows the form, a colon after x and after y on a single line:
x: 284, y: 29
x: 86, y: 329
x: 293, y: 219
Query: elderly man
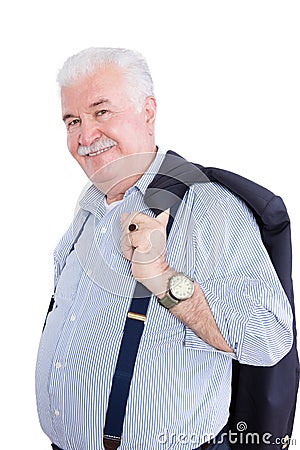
x: 214, y: 294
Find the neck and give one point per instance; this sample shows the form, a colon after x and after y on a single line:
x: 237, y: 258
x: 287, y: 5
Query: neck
x: 137, y: 166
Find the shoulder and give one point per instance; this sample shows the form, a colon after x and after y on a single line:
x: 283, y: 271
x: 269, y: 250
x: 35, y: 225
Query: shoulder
x: 212, y: 195
x: 216, y: 209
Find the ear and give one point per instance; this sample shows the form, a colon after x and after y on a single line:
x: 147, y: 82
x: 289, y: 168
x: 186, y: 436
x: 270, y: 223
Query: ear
x: 150, y: 113
x: 163, y: 217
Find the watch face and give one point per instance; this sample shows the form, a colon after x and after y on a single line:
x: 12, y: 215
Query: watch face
x: 181, y: 287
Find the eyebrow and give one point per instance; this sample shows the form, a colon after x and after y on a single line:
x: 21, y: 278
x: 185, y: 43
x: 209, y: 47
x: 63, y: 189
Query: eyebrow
x: 68, y: 116
x: 101, y: 101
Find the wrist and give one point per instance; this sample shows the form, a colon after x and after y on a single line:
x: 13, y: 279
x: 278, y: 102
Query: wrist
x: 164, y: 282
x: 180, y: 288
x: 159, y: 284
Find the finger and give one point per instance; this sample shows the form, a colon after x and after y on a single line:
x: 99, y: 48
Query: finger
x: 126, y: 246
x: 140, y: 240
x: 148, y: 248
x: 127, y: 219
x: 163, y: 218
x: 124, y: 218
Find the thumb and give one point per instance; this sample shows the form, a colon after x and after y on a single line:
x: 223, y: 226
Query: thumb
x: 163, y: 217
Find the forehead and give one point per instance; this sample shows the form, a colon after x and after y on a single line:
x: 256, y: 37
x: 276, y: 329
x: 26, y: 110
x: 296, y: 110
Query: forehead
x: 108, y: 82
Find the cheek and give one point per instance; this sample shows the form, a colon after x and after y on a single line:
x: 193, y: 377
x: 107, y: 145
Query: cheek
x: 127, y: 135
x: 72, y: 145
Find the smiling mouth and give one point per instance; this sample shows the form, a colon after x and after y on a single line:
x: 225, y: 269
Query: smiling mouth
x: 98, y: 152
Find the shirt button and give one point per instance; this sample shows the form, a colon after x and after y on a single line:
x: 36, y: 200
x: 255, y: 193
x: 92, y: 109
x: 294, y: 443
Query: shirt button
x: 56, y: 412
x: 58, y: 365
x: 72, y: 318
x: 103, y: 230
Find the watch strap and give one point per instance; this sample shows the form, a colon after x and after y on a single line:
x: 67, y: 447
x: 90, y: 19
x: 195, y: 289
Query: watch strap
x: 168, y: 301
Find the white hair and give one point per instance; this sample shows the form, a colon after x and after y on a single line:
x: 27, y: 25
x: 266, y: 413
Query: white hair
x: 132, y: 64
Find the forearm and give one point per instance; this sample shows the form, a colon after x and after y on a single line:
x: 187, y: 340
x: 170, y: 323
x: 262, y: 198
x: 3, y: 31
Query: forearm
x: 145, y: 247
x: 196, y: 314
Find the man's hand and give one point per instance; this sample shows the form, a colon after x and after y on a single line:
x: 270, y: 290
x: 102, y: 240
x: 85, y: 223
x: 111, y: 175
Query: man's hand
x: 145, y: 247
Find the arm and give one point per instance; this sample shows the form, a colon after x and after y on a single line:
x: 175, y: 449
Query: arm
x: 196, y: 314
x: 238, y: 303
x: 142, y: 248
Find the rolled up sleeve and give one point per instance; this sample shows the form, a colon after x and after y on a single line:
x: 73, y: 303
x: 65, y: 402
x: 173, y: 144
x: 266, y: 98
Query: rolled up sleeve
x: 254, y: 319
x: 241, y: 286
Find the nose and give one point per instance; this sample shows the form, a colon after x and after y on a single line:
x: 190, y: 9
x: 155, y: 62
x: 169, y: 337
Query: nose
x: 89, y: 131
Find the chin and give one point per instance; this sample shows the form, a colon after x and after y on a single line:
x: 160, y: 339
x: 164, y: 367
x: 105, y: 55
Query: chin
x: 105, y: 178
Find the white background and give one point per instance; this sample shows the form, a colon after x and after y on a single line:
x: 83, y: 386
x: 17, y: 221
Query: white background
x: 227, y: 82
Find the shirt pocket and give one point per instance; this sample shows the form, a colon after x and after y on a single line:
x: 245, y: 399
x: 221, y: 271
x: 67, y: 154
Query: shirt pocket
x: 194, y: 342
x: 162, y: 329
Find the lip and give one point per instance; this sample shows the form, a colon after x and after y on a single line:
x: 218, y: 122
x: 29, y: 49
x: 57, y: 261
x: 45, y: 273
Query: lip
x: 98, y: 152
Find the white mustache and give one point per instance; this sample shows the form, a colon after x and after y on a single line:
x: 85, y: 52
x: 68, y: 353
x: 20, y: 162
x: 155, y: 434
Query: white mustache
x: 96, y: 146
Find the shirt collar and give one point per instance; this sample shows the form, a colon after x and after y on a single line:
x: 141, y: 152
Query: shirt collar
x: 92, y: 198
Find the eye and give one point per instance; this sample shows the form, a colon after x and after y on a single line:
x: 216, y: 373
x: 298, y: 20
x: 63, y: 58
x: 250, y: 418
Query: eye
x: 102, y: 112
x: 72, y: 123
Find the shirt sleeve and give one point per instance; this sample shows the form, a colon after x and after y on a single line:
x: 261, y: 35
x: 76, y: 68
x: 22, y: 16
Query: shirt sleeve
x: 241, y: 286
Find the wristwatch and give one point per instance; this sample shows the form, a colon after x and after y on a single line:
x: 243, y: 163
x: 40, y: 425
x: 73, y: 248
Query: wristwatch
x: 180, y: 288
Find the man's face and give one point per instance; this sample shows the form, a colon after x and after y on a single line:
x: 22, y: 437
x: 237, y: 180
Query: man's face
x: 105, y: 130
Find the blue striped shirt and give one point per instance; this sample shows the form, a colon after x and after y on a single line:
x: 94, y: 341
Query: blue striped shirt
x: 181, y: 387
